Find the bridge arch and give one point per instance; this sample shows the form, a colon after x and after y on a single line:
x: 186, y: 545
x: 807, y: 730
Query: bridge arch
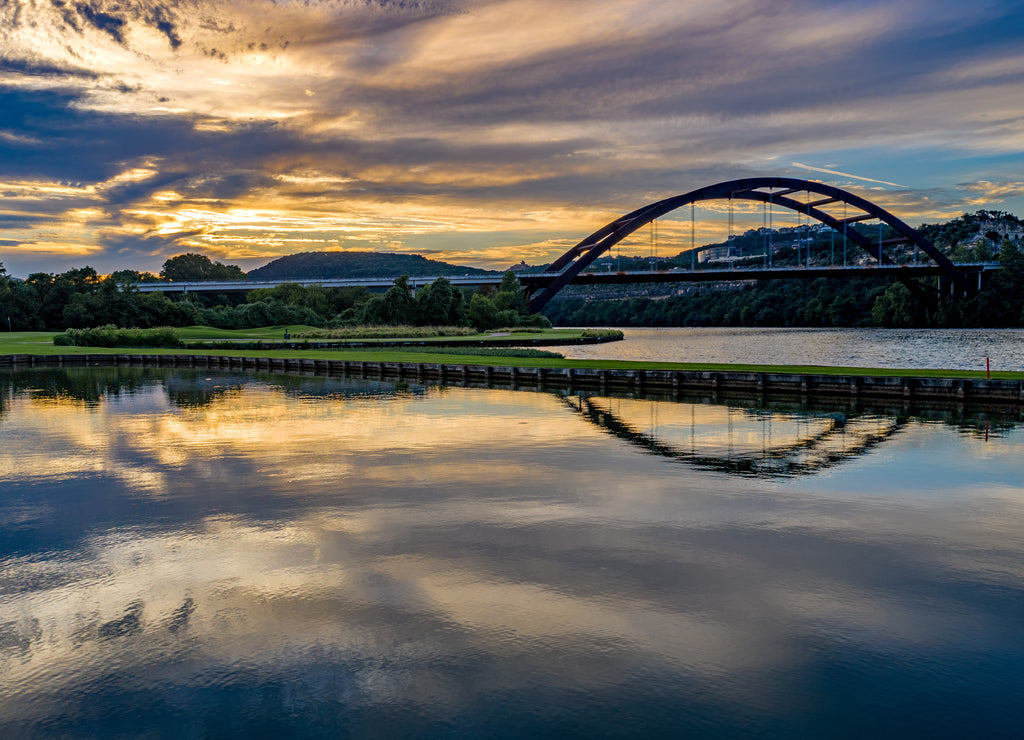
x: 840, y: 438
x: 773, y: 190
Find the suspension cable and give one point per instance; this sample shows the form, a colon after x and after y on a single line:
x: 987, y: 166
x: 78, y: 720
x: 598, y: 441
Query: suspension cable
x: 808, y: 228
x: 764, y: 233
x: 728, y: 237
x: 844, y: 233
x: 832, y: 247
x: 693, y: 242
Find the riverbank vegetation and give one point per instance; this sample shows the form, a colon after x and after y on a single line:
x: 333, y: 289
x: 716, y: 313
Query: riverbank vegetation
x: 827, y: 302
x: 81, y: 298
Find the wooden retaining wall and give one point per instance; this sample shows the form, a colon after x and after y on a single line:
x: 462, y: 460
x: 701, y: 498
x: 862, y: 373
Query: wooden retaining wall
x: 850, y: 386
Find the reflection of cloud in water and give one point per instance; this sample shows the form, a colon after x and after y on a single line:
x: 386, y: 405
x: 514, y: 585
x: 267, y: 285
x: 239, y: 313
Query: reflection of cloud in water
x: 435, y: 549
x: 437, y: 587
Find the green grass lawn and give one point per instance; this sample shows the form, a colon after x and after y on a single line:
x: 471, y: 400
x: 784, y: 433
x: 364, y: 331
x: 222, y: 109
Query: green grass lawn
x: 40, y: 343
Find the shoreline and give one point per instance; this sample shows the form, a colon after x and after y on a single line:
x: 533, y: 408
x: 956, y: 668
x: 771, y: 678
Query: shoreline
x: 343, y: 344
x: 907, y: 385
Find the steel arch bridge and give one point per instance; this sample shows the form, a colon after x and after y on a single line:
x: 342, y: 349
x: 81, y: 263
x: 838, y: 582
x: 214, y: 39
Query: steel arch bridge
x: 773, y: 191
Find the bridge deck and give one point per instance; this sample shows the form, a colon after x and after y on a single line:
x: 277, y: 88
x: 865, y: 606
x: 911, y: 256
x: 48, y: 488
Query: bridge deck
x: 729, y: 274
x: 539, y: 280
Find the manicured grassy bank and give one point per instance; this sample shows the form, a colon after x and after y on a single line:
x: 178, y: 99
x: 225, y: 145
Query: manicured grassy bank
x: 39, y: 343
x: 297, y: 333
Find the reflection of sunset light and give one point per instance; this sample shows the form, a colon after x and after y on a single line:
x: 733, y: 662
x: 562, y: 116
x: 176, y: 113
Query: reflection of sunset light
x: 424, y: 505
x: 259, y: 423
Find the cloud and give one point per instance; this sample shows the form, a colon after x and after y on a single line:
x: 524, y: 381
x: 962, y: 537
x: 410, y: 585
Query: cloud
x: 986, y: 193
x: 490, y: 113
x: 111, y: 18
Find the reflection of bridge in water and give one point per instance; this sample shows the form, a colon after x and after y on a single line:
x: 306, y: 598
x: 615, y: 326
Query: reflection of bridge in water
x: 739, y: 441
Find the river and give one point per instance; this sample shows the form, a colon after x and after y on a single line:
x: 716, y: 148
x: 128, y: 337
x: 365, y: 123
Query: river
x: 955, y: 349
x: 219, y: 554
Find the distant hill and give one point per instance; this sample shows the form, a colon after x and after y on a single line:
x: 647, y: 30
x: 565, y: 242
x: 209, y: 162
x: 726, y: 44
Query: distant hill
x: 326, y: 265
x: 992, y: 225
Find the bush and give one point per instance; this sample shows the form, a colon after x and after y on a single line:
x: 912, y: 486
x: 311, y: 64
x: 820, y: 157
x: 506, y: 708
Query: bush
x: 506, y: 318
x: 112, y: 336
x: 602, y: 334
x: 533, y: 321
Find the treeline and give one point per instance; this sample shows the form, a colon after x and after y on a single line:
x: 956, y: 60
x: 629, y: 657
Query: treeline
x: 81, y: 298
x: 443, y: 304
x: 766, y: 303
x: 820, y: 302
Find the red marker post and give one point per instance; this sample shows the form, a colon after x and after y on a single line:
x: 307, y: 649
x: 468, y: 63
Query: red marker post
x: 988, y: 374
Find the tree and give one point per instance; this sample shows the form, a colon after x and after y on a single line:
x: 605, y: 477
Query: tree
x: 293, y: 294
x: 511, y: 297
x: 371, y: 312
x: 127, y: 277
x: 340, y: 299
x: 482, y: 315
x: 198, y: 267
x: 897, y: 307
x: 434, y: 302
x: 1010, y: 253
x: 399, y: 307
x: 7, y: 299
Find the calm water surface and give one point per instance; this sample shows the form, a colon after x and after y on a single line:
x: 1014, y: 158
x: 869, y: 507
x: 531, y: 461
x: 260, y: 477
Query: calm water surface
x: 195, y: 555
x: 955, y: 349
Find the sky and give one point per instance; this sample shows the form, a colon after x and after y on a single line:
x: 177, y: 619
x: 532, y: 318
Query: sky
x: 481, y: 132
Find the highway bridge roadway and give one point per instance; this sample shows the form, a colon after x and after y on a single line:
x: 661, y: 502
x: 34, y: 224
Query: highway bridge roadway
x: 534, y: 281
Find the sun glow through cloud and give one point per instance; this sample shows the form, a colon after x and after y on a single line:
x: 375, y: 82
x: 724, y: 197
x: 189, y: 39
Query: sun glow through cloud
x: 252, y: 129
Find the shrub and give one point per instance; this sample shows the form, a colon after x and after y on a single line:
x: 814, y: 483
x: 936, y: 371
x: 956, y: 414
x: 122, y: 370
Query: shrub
x: 602, y: 334
x: 533, y: 321
x: 508, y: 318
x: 112, y: 336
